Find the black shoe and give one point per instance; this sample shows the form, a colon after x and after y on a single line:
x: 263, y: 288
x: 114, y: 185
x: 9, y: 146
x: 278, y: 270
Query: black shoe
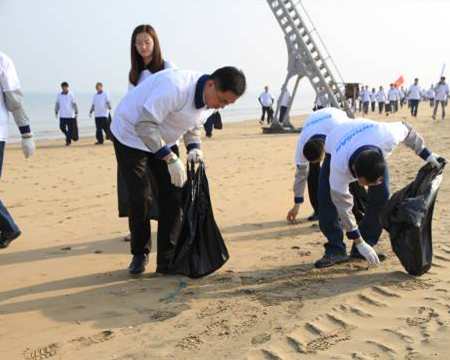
x: 7, y: 237
x: 313, y: 217
x: 330, y: 260
x: 138, y: 264
x: 99, y: 143
x: 356, y: 255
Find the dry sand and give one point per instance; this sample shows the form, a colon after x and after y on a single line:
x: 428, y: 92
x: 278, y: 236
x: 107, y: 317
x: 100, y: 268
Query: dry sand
x: 65, y: 292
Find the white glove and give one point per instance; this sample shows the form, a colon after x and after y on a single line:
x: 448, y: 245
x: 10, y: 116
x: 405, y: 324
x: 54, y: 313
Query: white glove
x: 177, y: 173
x: 196, y: 155
x: 368, y: 252
x: 28, y: 146
x: 432, y: 159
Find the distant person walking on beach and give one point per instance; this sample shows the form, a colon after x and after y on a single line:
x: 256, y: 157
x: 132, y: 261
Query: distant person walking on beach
x: 67, y: 109
x: 308, y: 156
x: 381, y: 98
x: 101, y: 106
x: 366, y: 100
x: 284, y: 104
x: 441, y: 97
x: 11, y: 102
x: 146, y: 59
x: 392, y: 97
x: 414, y: 95
x: 147, y: 125
x: 266, y: 101
x: 373, y: 99
x: 431, y: 94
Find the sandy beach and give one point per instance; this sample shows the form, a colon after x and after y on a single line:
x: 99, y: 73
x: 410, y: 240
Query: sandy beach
x: 66, y: 294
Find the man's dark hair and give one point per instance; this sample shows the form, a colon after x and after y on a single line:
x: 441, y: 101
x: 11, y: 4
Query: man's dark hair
x: 99, y: 83
x: 370, y: 165
x: 64, y: 84
x: 231, y: 79
x: 313, y: 149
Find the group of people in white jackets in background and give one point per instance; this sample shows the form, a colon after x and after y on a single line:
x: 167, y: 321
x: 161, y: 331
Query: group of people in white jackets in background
x: 395, y: 98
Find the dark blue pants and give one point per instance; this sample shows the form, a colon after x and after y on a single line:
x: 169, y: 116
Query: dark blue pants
x: 370, y: 227
x: 414, y: 107
x: 66, y: 126
x: 7, y: 223
x: 101, y: 125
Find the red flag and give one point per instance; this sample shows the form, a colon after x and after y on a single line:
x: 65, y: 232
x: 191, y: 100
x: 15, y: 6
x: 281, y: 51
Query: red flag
x: 399, y: 82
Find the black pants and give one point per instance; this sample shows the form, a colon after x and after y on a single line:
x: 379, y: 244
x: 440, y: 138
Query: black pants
x: 66, y: 126
x: 373, y: 106
x: 283, y: 110
x: 269, y: 114
x: 432, y: 102
x: 396, y: 106
x: 313, y: 185
x: 380, y: 107
x: 414, y: 107
x: 101, y: 125
x: 135, y: 166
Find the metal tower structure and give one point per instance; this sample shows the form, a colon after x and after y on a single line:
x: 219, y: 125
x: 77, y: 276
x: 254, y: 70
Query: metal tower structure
x: 305, y: 60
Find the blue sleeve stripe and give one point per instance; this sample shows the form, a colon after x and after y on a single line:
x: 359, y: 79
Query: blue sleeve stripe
x: 163, y: 152
x: 25, y: 129
x: 352, y: 235
x: 425, y: 153
x: 191, y: 146
x: 298, y: 200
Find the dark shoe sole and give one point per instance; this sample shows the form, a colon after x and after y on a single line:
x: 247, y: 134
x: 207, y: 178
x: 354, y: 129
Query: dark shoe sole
x: 5, y: 243
x: 138, y: 270
x: 319, y: 265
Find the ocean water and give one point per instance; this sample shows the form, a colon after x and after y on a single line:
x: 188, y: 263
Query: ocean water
x: 40, y: 107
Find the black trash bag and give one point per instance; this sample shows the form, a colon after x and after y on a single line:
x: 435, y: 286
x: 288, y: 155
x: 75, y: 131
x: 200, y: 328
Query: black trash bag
x: 75, y: 135
x: 408, y: 216
x: 359, y: 200
x: 199, y: 248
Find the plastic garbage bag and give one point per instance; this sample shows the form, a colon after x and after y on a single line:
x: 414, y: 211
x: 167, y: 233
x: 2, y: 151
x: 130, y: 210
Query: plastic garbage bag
x: 408, y: 216
x: 199, y: 249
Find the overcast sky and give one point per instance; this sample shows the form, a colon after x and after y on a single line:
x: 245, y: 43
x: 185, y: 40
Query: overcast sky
x: 82, y: 42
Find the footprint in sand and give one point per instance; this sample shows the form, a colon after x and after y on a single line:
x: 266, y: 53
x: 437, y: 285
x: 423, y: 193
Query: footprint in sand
x: 44, y: 352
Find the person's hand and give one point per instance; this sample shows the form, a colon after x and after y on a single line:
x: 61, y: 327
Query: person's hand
x: 28, y: 146
x: 176, y: 171
x: 292, y: 214
x: 56, y: 115
x: 90, y: 114
x: 368, y: 252
x: 433, y: 160
x: 196, y: 155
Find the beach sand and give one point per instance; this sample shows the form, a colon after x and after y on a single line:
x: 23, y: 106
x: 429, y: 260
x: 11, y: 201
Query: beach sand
x: 66, y: 294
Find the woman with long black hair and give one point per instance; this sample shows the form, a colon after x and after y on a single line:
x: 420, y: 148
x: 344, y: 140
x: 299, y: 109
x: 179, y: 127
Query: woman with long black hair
x: 146, y: 59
